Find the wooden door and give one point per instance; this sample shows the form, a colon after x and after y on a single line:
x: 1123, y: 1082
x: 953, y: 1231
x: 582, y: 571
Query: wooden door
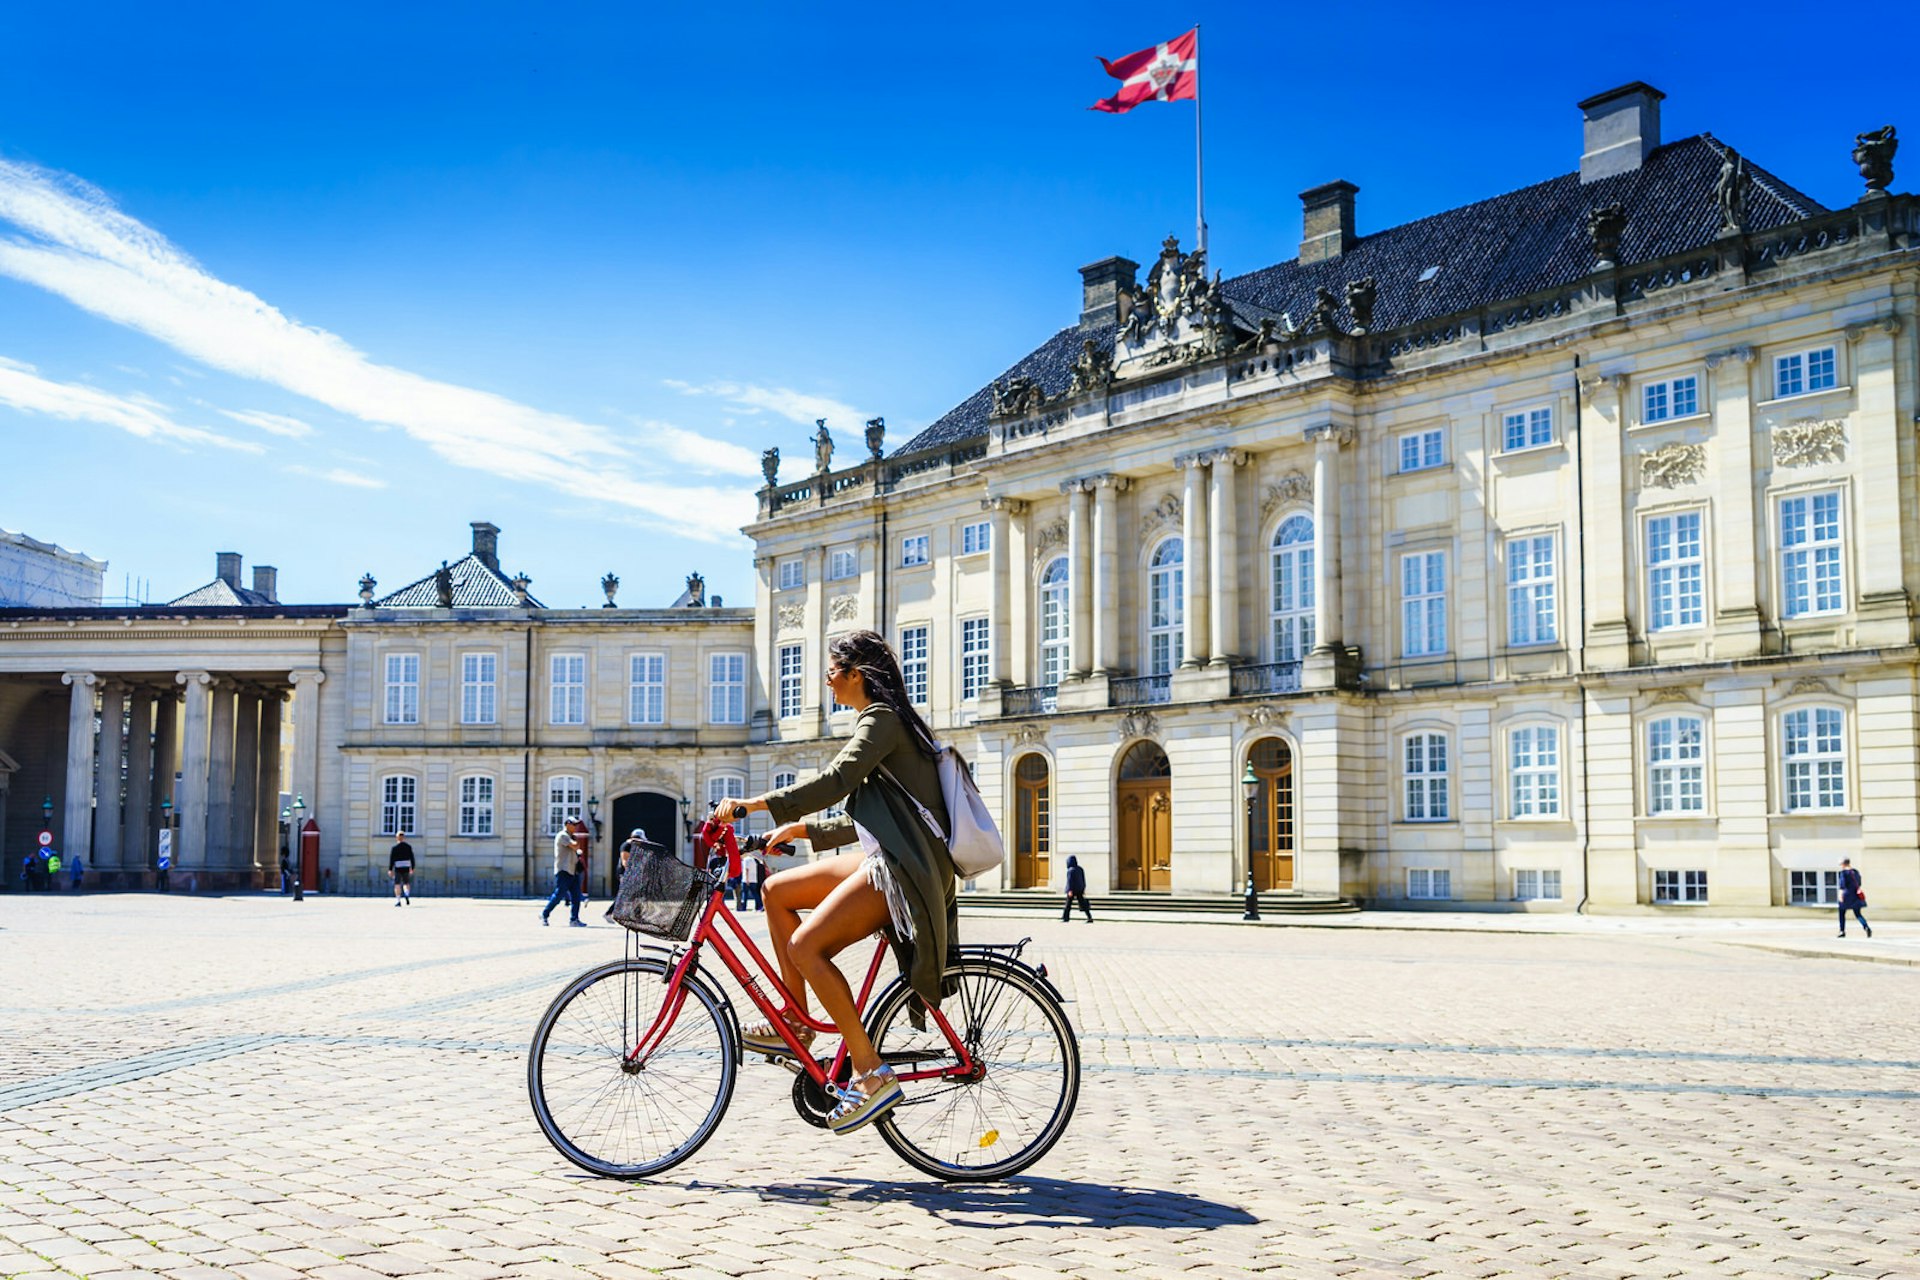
x: 1273, y: 831
x: 1145, y: 798
x: 1032, y: 823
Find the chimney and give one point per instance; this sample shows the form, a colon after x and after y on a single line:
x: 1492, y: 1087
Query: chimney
x: 1618, y: 129
x: 266, y: 582
x: 226, y: 567
x: 486, y: 544
x: 1100, y: 286
x: 1329, y: 222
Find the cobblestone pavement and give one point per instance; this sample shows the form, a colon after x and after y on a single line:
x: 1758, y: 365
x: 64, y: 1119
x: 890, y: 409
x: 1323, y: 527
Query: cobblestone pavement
x: 249, y: 1087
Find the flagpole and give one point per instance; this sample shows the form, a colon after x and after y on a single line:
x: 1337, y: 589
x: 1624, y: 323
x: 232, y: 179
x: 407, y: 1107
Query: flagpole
x: 1199, y: 169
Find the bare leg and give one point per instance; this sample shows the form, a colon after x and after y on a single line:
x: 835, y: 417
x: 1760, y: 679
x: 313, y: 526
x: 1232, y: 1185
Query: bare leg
x: 787, y: 895
x: 853, y: 911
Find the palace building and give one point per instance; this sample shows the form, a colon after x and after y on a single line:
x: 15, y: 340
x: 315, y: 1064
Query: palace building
x: 1556, y: 550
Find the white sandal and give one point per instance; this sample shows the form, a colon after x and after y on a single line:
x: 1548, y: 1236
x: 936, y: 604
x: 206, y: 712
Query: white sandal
x: 766, y: 1038
x: 859, y: 1108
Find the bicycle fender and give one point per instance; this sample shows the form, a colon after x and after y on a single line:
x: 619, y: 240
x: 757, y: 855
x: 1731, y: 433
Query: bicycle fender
x: 668, y: 958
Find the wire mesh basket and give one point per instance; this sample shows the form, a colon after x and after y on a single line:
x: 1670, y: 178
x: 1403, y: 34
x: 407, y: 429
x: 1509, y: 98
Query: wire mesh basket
x: 659, y: 895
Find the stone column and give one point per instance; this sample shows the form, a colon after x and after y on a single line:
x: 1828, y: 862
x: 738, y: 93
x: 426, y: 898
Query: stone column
x: 816, y: 702
x: 266, y: 828
x: 136, y: 841
x: 1608, y: 641
x: 75, y: 837
x: 191, y: 797
x: 166, y: 763
x: 1106, y: 570
x: 217, y: 852
x: 999, y: 561
x: 246, y: 777
x: 1223, y: 566
x: 306, y: 738
x: 107, y: 811
x: 1080, y: 575
x: 1736, y: 621
x: 1327, y: 440
x: 1197, y: 634
x: 1882, y: 611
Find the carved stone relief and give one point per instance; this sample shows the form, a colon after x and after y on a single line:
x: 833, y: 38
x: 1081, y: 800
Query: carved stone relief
x: 844, y: 608
x: 1164, y: 513
x: 1673, y: 465
x: 1808, y: 443
x: 792, y: 617
x: 1030, y: 735
x: 1262, y: 717
x: 1047, y: 537
x: 1809, y: 684
x: 643, y: 775
x: 1295, y: 486
x: 1673, y: 695
x: 1136, y: 724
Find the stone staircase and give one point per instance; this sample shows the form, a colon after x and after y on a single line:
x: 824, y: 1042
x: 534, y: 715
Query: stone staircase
x: 1276, y: 904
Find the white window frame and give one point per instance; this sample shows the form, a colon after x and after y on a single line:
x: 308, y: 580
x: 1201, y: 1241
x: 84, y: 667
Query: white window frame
x: 1682, y: 886
x: 399, y: 804
x: 1422, y: 450
x: 1426, y: 774
x: 1536, y: 884
x: 402, y: 688
x: 566, y: 695
x: 473, y: 795
x: 1812, y: 546
x: 479, y: 687
x: 1813, y: 759
x: 1430, y: 884
x: 1533, y: 424
x: 1166, y: 605
x: 1055, y: 632
x: 1661, y: 401
x: 566, y: 795
x: 1676, y: 764
x: 793, y: 574
x: 976, y: 538
x: 790, y: 664
x: 647, y: 687
x: 842, y: 564
x: 1677, y: 579
x: 916, y: 550
x: 1423, y: 610
x: 1822, y: 891
x: 914, y: 647
x: 727, y: 687
x: 1533, y: 771
x: 729, y: 786
x: 1291, y: 585
x: 1806, y: 372
x: 783, y: 778
x: 1533, y: 615
x: 976, y: 650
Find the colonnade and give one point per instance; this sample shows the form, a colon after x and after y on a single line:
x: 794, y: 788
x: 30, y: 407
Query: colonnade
x: 197, y: 750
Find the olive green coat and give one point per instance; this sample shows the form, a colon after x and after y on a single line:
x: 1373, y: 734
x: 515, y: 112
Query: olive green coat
x: 918, y: 859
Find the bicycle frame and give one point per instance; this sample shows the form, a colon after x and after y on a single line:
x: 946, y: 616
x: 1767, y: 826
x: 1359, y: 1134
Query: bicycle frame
x: 707, y: 933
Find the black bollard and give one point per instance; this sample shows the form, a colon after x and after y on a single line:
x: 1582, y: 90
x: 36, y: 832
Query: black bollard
x: 1253, y: 900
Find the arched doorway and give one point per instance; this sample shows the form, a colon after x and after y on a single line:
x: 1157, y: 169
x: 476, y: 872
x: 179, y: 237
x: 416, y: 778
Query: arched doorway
x: 1271, y: 857
x: 656, y: 814
x: 1032, y: 823
x: 1146, y: 818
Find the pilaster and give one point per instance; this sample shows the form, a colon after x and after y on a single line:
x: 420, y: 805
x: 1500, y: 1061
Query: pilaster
x: 1608, y: 640
x: 1197, y: 633
x: 999, y: 559
x: 1736, y: 623
x: 1080, y: 575
x: 306, y: 738
x: 1882, y: 611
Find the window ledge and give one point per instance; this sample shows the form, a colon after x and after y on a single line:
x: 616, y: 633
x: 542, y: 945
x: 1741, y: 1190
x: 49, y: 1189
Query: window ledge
x: 1428, y: 822
x: 1662, y: 903
x: 1791, y: 815
x: 1532, y: 451
x: 1673, y: 422
x: 1540, y: 820
x: 1433, y: 467
x: 1678, y: 817
x: 1804, y: 397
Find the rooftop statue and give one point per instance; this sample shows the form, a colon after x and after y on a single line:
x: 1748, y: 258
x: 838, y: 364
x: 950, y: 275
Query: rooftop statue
x: 1873, y: 152
x: 822, y: 447
x: 1730, y: 193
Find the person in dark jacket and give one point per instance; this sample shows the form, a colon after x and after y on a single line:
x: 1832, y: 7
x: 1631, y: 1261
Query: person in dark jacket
x: 1076, y: 890
x: 1852, y: 897
x: 901, y: 879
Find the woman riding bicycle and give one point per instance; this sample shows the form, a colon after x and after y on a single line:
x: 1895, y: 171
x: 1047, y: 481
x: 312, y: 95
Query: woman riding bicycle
x: 901, y: 879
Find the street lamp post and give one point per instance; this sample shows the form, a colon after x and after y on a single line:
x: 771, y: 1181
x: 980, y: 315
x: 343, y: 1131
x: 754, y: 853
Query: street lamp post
x: 299, y: 846
x: 1250, y: 785
x: 686, y: 820
x: 286, y: 847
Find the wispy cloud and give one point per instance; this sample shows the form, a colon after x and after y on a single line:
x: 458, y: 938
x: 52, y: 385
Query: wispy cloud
x: 277, y: 424
x: 795, y: 406
x: 76, y: 244
x: 338, y: 475
x: 23, y: 389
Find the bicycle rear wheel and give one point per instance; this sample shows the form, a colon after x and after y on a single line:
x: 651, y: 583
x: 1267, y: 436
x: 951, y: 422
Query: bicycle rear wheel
x: 616, y: 1120
x: 1011, y: 1112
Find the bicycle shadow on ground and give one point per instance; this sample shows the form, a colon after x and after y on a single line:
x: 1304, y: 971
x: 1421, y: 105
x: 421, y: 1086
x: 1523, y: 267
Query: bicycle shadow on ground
x: 1039, y: 1202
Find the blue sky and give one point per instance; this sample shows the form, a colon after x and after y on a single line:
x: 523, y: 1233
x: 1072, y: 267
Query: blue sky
x: 323, y: 284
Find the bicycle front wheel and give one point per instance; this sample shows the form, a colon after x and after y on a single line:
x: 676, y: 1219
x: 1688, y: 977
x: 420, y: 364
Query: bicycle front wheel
x: 617, y: 1119
x: 1015, y: 1106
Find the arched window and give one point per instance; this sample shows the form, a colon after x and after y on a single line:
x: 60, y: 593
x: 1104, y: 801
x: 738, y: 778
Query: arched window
x: 1166, y: 610
x: 1292, y: 565
x: 1055, y: 621
x: 1144, y: 760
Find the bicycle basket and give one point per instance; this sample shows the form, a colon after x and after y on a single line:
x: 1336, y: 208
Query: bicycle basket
x: 659, y: 895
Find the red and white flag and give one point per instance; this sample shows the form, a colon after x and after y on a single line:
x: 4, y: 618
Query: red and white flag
x: 1165, y: 73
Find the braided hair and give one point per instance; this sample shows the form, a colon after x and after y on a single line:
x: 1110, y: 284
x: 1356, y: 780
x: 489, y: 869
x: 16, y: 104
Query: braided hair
x: 868, y: 653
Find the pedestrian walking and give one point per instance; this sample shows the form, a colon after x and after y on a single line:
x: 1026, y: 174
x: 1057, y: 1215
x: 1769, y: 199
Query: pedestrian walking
x: 635, y: 845
x: 286, y: 873
x: 1076, y: 890
x: 1853, y: 896
x: 76, y: 872
x: 569, y: 862
x: 752, y: 873
x: 400, y: 869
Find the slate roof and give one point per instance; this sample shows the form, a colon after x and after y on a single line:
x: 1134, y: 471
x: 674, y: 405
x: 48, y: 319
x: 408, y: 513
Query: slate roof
x: 1505, y: 247
x: 476, y: 585
x: 220, y: 593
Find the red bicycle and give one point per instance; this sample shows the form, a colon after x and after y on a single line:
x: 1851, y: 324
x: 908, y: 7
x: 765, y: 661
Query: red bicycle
x: 633, y: 1064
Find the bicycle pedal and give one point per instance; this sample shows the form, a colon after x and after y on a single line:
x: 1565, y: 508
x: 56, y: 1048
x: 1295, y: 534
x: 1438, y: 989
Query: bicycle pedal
x: 781, y: 1060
